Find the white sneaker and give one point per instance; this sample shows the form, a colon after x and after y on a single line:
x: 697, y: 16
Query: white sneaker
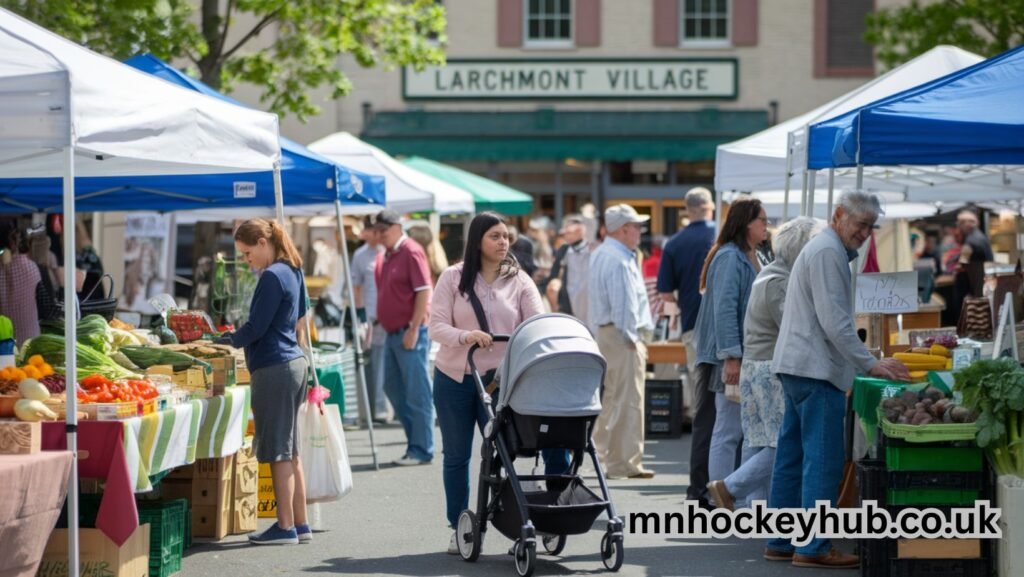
x: 453, y: 545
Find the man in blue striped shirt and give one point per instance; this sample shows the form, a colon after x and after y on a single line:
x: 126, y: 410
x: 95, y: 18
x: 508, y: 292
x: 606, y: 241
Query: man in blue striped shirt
x: 618, y: 314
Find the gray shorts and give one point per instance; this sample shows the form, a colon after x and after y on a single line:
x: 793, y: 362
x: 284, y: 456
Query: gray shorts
x: 277, y: 393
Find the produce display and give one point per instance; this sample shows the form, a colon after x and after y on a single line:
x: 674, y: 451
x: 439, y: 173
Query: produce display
x: 921, y: 360
x: 36, y: 368
x: 928, y: 406
x: 995, y: 388
x: 89, y: 360
x: 145, y: 357
x: 189, y: 326
x: 99, y: 389
x: 92, y: 331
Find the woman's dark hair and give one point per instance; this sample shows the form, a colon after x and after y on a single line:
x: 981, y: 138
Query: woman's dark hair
x: 472, y: 258
x: 742, y: 212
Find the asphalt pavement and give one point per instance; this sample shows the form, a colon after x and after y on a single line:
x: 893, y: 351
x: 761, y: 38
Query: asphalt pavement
x: 393, y: 523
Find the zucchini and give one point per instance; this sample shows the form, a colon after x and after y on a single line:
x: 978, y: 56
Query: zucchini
x: 146, y: 357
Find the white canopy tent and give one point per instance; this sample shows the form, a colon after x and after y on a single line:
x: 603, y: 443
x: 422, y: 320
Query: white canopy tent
x: 66, y: 111
x: 775, y: 159
x: 408, y: 190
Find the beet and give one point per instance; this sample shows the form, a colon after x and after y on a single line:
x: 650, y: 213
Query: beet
x: 932, y: 393
x: 909, y: 398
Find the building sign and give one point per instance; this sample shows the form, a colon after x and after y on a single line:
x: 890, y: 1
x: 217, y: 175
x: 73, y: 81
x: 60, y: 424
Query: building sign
x: 574, y: 79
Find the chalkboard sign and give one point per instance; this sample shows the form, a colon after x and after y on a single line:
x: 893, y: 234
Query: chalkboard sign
x: 887, y: 293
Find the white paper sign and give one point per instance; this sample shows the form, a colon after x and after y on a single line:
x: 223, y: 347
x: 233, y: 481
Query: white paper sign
x: 891, y: 292
x: 245, y: 190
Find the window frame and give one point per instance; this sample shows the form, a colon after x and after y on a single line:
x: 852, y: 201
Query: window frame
x: 549, y: 43
x: 705, y: 43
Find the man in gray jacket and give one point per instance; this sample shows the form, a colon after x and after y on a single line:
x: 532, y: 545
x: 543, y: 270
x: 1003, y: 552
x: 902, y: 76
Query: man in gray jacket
x: 816, y: 357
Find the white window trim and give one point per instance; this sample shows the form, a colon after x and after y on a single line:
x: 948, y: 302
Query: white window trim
x: 705, y: 43
x: 546, y: 44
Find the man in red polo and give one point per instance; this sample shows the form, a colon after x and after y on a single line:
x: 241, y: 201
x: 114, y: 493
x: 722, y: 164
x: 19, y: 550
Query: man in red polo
x: 403, y: 307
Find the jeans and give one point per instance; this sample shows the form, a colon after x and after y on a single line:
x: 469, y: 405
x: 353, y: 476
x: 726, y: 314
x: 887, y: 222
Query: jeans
x: 375, y: 381
x: 725, y: 439
x: 459, y: 411
x: 751, y: 482
x: 407, y: 386
x: 809, y: 457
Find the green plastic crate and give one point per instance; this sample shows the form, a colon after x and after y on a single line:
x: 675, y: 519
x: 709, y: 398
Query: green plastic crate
x: 932, y: 496
x: 933, y: 458
x: 928, y: 433
x: 167, y: 534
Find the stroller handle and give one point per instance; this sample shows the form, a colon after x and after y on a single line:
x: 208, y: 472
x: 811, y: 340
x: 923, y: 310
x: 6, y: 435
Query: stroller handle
x: 472, y: 349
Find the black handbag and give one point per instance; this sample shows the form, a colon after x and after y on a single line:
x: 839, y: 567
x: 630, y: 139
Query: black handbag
x: 105, y: 307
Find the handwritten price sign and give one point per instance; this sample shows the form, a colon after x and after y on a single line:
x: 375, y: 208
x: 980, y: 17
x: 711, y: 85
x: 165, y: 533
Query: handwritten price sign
x: 894, y: 292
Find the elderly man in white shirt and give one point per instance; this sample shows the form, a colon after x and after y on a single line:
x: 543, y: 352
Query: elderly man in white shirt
x: 618, y: 314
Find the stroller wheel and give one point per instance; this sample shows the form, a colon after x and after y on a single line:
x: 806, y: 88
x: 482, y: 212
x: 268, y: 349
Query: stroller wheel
x: 553, y: 544
x: 525, y: 557
x: 611, y: 552
x: 468, y: 536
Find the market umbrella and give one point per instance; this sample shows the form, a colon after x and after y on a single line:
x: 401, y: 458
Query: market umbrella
x: 487, y: 194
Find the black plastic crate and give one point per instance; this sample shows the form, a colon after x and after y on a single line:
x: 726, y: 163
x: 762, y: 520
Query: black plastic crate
x: 663, y: 408
x: 871, y: 480
x: 936, y: 480
x: 874, y: 557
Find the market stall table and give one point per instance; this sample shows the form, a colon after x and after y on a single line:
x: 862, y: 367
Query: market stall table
x: 127, y: 453
x: 34, y: 487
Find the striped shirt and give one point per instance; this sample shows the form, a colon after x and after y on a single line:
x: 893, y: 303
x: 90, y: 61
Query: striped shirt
x: 617, y: 293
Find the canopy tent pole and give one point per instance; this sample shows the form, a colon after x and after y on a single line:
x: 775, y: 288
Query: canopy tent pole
x: 789, y: 175
x: 70, y: 360
x: 278, y: 193
x: 860, y: 177
x: 357, y: 342
x: 812, y: 179
x: 803, y: 193
x: 718, y: 212
x: 831, y: 189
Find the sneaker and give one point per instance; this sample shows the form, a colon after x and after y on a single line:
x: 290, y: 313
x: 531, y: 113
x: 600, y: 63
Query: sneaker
x: 407, y: 461
x: 275, y: 535
x: 453, y: 545
x: 721, y: 494
x: 831, y: 560
x: 304, y: 532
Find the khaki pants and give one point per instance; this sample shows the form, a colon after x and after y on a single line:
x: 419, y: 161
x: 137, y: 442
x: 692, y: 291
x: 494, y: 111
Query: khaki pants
x: 689, y: 341
x: 619, y: 432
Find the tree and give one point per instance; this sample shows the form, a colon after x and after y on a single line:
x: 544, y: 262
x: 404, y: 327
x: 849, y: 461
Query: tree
x: 285, y: 47
x: 986, y: 27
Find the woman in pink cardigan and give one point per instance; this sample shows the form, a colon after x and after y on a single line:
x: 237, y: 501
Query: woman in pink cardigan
x: 507, y: 297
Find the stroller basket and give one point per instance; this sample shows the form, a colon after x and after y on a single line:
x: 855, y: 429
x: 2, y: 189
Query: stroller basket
x: 570, y: 511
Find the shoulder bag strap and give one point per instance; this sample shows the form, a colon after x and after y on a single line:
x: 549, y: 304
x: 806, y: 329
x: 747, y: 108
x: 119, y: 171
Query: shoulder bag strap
x: 478, y: 308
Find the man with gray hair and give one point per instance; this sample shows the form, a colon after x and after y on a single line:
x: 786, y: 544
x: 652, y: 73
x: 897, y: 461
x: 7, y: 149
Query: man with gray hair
x: 816, y: 357
x: 682, y: 260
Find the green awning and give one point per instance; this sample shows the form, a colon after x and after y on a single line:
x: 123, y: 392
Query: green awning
x: 553, y: 135
x: 488, y: 194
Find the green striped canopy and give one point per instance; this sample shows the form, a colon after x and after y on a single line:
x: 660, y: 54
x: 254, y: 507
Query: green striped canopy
x: 487, y: 194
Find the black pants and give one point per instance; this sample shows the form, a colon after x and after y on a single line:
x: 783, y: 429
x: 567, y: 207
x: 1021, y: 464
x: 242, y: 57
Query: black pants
x: 703, y: 425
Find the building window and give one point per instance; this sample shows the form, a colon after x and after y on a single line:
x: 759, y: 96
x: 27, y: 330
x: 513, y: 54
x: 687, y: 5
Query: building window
x: 549, y: 23
x: 705, y: 23
x: 840, y: 49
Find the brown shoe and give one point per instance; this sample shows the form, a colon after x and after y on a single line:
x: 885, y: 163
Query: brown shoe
x: 642, y: 474
x: 831, y: 560
x: 723, y: 498
x: 774, y: 555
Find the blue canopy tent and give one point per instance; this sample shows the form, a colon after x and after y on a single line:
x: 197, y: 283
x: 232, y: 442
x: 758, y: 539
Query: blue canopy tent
x: 958, y: 134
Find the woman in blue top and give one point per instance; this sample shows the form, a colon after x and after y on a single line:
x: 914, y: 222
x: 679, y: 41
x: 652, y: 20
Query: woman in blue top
x: 726, y: 281
x: 279, y: 369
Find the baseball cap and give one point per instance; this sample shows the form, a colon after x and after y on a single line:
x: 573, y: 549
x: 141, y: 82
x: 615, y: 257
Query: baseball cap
x: 620, y: 214
x: 387, y: 217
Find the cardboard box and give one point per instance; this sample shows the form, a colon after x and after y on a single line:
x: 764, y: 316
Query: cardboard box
x: 938, y: 549
x: 243, y: 513
x: 211, y: 521
x: 224, y: 374
x: 98, y: 556
x: 267, y: 505
x: 171, y: 489
x: 214, y: 468
x: 20, y: 438
x: 242, y: 376
x: 246, y: 472
x: 195, y: 378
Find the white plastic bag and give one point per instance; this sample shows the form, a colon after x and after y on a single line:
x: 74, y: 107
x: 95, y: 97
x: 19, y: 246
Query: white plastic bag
x: 323, y: 452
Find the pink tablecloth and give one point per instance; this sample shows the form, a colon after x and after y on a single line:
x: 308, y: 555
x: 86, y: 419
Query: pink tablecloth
x: 32, y: 491
x: 101, y: 456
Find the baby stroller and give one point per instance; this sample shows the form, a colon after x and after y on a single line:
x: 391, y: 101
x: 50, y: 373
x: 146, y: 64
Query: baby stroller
x: 550, y: 396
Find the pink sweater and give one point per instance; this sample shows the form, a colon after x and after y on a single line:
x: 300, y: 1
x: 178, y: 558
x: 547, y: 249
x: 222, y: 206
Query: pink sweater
x: 507, y: 303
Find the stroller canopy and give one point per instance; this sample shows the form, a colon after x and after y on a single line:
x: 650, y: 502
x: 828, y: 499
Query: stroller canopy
x: 552, y: 368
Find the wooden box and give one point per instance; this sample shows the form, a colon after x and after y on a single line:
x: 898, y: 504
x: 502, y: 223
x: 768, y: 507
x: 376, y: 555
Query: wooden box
x: 938, y: 549
x: 97, y: 554
x: 20, y: 438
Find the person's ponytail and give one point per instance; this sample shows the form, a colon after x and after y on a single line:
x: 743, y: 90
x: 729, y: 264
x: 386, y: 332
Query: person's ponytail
x: 284, y: 245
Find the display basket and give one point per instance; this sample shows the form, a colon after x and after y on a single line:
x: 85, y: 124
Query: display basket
x: 927, y: 433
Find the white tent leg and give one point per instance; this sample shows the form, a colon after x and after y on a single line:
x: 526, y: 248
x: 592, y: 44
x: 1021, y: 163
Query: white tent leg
x: 860, y: 177
x: 812, y: 179
x: 789, y: 175
x: 803, y: 193
x: 278, y: 194
x: 70, y: 361
x: 356, y: 340
x: 831, y: 190
x: 718, y: 213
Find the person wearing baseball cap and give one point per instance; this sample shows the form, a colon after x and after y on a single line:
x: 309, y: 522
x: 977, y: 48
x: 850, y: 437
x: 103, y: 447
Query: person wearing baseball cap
x: 364, y: 290
x: 618, y: 313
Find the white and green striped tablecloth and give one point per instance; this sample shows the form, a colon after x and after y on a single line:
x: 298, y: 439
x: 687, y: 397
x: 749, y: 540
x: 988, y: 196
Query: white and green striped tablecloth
x: 200, y: 429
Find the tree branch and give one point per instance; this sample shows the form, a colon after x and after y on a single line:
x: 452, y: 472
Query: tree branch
x: 224, y: 30
x: 269, y: 18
